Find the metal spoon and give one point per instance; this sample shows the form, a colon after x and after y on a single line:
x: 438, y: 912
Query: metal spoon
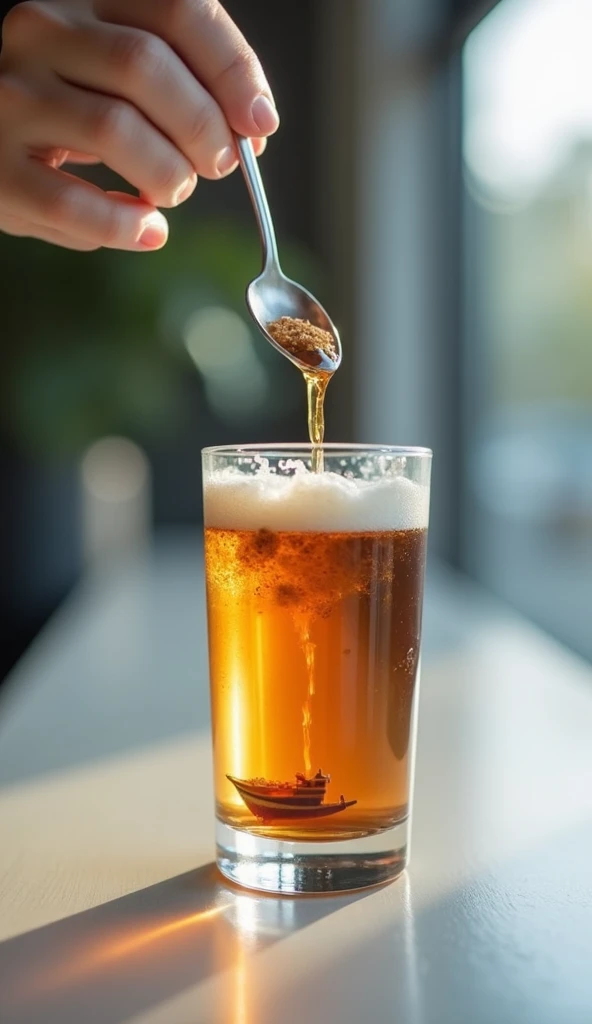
x: 272, y: 294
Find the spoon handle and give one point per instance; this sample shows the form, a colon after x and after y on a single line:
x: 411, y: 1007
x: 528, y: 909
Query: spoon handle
x: 250, y: 169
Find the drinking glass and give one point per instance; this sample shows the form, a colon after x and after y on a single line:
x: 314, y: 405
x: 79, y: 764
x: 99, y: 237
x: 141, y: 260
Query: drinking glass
x: 314, y: 576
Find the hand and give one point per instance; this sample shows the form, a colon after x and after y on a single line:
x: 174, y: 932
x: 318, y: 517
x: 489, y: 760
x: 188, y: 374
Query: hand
x: 151, y: 88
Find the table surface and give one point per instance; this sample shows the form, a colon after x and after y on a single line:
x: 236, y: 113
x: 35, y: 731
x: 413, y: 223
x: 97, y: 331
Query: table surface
x: 111, y: 909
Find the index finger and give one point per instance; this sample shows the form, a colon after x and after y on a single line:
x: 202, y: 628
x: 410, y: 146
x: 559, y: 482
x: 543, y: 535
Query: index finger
x: 214, y: 49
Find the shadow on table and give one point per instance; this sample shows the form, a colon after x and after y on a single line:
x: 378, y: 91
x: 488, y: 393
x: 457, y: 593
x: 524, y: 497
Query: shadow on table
x: 119, y: 959
x: 510, y: 944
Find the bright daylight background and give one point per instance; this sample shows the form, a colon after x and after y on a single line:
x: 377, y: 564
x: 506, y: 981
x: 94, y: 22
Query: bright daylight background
x: 432, y: 184
x: 528, y: 166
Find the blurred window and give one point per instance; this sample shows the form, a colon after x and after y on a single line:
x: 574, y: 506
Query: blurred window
x: 528, y: 282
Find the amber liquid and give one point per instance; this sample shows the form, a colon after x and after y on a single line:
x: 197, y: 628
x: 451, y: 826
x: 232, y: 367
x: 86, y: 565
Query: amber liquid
x: 314, y: 647
x: 317, y: 378
x: 316, y: 386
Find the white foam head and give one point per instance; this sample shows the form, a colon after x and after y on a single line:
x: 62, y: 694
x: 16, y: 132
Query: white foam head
x: 313, y: 502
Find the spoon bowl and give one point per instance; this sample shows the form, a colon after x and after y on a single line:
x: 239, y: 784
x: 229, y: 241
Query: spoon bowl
x: 272, y: 295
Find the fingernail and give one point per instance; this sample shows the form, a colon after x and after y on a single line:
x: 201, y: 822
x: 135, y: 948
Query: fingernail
x: 155, y: 232
x: 265, y: 115
x: 186, y: 189
x: 226, y: 161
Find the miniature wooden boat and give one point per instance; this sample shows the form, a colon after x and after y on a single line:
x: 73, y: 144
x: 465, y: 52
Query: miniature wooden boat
x: 276, y: 801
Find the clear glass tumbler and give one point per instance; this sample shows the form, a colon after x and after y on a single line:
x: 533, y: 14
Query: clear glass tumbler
x: 314, y: 577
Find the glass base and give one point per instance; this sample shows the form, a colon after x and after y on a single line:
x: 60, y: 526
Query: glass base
x: 283, y: 867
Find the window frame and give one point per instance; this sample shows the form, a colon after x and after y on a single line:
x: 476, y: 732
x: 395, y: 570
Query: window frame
x: 390, y: 134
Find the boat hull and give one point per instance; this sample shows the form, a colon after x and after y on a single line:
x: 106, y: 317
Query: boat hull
x: 270, y: 803
x: 280, y: 812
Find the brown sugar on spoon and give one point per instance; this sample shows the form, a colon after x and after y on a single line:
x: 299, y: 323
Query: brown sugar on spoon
x: 302, y: 339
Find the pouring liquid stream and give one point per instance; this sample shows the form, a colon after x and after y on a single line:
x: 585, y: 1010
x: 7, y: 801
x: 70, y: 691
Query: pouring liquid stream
x: 317, y: 363
x: 314, y: 351
x: 316, y: 386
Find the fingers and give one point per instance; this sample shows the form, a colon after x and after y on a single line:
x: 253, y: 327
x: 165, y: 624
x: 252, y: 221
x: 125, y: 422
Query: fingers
x: 57, y: 157
x: 136, y: 66
x: 53, y: 201
x: 23, y: 229
x: 153, y: 89
x: 259, y: 146
x: 143, y: 70
x: 122, y: 138
x: 209, y: 42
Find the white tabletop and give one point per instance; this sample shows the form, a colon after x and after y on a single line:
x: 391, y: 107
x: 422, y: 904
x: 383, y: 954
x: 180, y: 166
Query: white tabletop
x: 111, y: 909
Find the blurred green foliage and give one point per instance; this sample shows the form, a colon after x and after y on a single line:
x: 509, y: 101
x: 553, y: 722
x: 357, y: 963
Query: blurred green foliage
x: 92, y: 343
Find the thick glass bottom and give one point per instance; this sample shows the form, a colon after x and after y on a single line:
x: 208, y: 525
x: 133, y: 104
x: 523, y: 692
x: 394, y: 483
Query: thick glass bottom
x: 287, y: 867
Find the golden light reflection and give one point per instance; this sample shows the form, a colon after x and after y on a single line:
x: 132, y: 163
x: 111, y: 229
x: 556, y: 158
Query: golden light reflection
x: 241, y: 1012
x: 239, y: 727
x: 247, y: 910
x: 109, y: 950
x: 308, y: 647
x: 135, y: 942
x: 260, y: 685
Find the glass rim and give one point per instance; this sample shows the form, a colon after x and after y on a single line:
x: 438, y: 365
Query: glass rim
x: 306, y: 448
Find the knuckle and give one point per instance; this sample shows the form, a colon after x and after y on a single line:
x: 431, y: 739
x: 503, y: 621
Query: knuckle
x: 60, y: 206
x: 21, y: 19
x: 138, y: 55
x: 178, y: 12
x: 168, y: 176
x: 26, y: 21
x: 201, y: 123
x: 111, y: 120
x: 243, y: 65
x: 110, y: 230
